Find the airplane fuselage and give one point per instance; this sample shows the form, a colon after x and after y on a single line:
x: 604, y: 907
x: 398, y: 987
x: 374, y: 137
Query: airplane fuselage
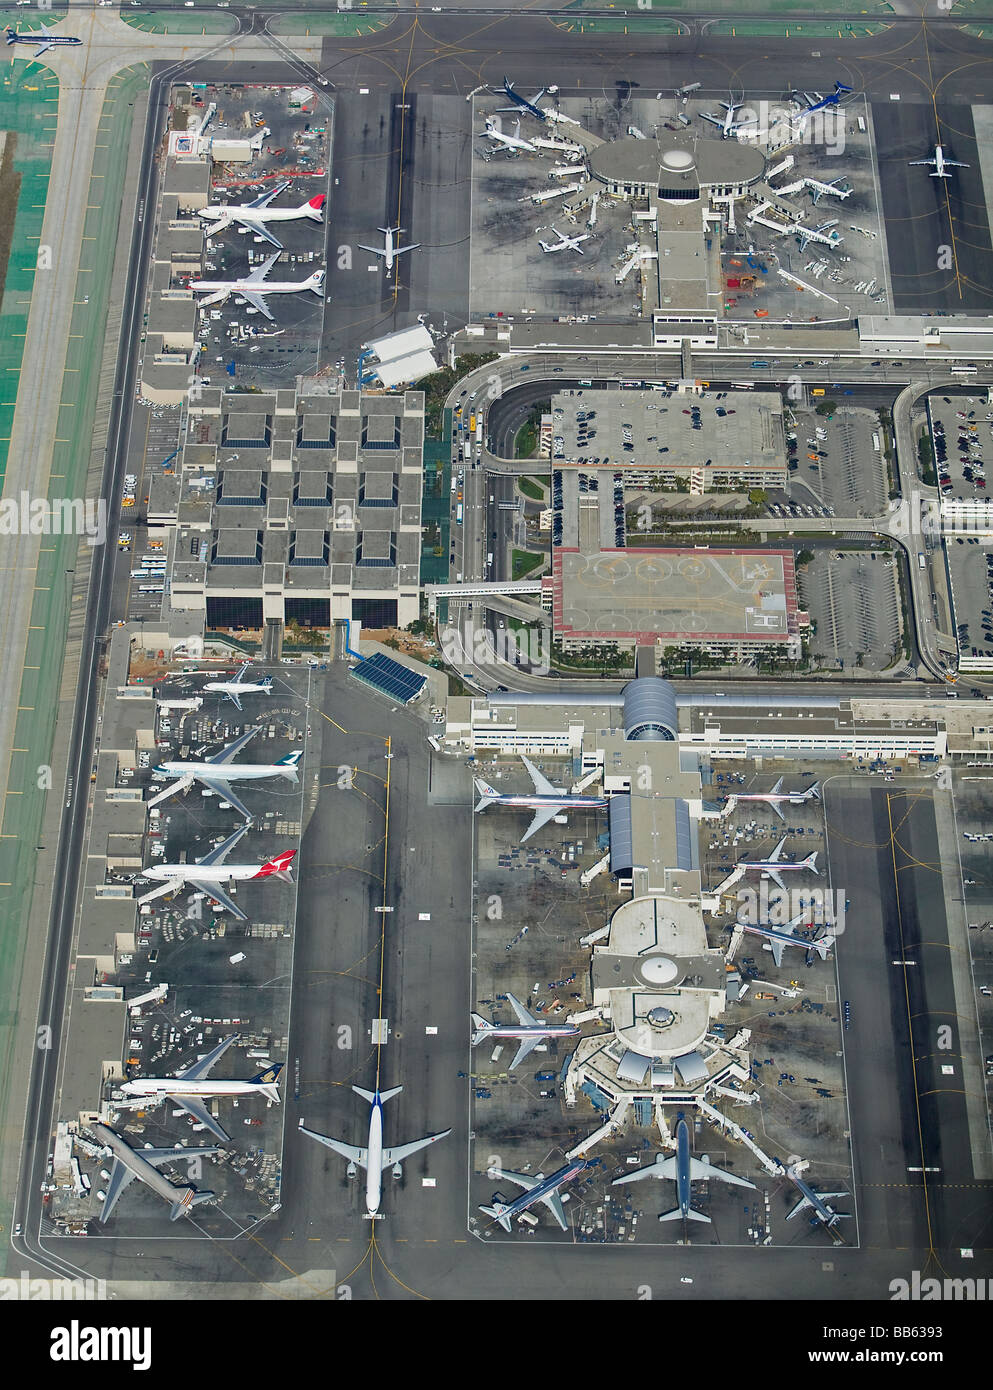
x: 180, y: 1198
x: 374, y: 1167
x: 550, y: 1184
x: 520, y: 1030
x: 238, y: 688
x: 177, y: 1086
x: 683, y: 1192
x: 820, y: 1208
x: 522, y: 801
x: 224, y: 772
x: 261, y: 287
x: 220, y: 873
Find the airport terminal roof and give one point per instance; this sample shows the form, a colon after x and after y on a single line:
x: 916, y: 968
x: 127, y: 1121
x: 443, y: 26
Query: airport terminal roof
x: 671, y: 160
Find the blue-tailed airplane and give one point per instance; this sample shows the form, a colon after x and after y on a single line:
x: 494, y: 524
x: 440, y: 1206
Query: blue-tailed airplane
x: 683, y: 1170
x: 546, y: 802
x: 815, y: 102
x: 522, y: 103
x: 536, y: 1189
x: 529, y: 1031
x: 816, y: 1201
x: 44, y: 41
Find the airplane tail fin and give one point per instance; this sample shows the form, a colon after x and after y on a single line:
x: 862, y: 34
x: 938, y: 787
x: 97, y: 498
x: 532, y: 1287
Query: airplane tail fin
x: 384, y: 1096
x: 811, y: 863
x: 498, y: 1211
x: 312, y: 208
x: 691, y: 1215
x: 190, y: 1199
x: 11, y: 36
x: 480, y: 1028
x: 278, y: 867
x: 288, y: 765
x: 814, y: 791
x: 268, y: 1081
x: 267, y: 685
x: 487, y: 793
x: 315, y: 282
x: 823, y: 944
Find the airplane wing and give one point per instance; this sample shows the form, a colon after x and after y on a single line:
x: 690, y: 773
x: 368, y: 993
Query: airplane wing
x: 264, y: 199
x: 224, y: 791
x: 776, y: 878
x: 661, y: 1168
x: 553, y: 1202
x: 258, y: 275
x: 349, y: 1151
x: 231, y: 750
x: 379, y: 250
x: 703, y: 1172
x: 233, y: 698
x: 215, y: 891
x: 397, y: 1155
x: 121, y: 1176
x: 777, y: 949
x: 541, y: 783
x: 774, y: 856
x: 527, y: 1046
x: 196, y: 1071
x: 218, y: 855
x: 523, y: 1016
x: 542, y: 816
x: 806, y: 1202
x: 156, y: 1157
x: 45, y: 45
x: 218, y: 222
x: 195, y: 1107
x: 239, y: 676
x: 774, y: 792
x: 256, y: 301
x: 712, y: 119
x: 521, y: 1179
x: 923, y: 161
x: 775, y: 806
x: 172, y: 886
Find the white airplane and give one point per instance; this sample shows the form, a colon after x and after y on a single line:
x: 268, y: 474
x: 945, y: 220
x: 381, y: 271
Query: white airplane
x: 238, y: 686
x: 822, y: 234
x: 684, y: 1169
x: 389, y: 252
x: 941, y: 164
x: 727, y: 123
x: 536, y: 1189
x: 774, y: 798
x: 132, y: 1163
x: 529, y: 1030
x: 44, y: 41
x: 189, y: 1088
x: 510, y: 142
x: 547, y: 801
x: 206, y: 875
x: 781, y: 937
x: 253, y: 216
x: 218, y: 772
x: 565, y: 243
x: 374, y: 1158
x: 252, y: 289
x: 775, y: 865
x: 833, y: 189
x: 816, y: 1201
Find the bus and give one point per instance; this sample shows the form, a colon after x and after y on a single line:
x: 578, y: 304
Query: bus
x: 743, y: 386
x: 817, y: 391
x: 151, y: 588
x: 472, y: 422
x: 921, y: 562
x: 479, y: 432
x: 964, y: 371
x: 458, y: 515
x: 759, y: 363
x: 861, y: 121
x: 875, y: 442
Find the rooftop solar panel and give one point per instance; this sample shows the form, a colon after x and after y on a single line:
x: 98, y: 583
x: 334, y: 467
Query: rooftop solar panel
x: 389, y: 677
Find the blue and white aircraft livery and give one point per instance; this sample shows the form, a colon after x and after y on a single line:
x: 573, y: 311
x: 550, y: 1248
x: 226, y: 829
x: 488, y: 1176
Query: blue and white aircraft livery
x: 218, y: 772
x: 44, y: 41
x: 547, y: 801
x: 781, y: 937
x: 522, y: 103
x: 683, y: 1170
x: 536, y: 1189
x: 817, y: 1202
x: 374, y: 1158
x: 238, y: 686
x: 775, y: 865
x: 529, y: 1030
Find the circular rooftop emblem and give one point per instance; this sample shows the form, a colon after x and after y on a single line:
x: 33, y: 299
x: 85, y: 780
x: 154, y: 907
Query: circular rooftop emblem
x: 660, y: 1017
x: 677, y: 160
x: 659, y: 970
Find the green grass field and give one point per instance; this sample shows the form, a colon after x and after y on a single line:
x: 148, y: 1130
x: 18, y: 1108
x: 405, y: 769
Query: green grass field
x: 343, y: 26
x: 180, y: 21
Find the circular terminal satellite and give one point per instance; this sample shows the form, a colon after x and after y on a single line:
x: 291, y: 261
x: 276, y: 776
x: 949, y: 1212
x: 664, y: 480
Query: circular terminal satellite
x: 660, y: 1017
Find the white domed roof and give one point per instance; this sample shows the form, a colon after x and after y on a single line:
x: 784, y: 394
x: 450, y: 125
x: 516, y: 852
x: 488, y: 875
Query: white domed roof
x: 678, y: 161
x: 659, y: 970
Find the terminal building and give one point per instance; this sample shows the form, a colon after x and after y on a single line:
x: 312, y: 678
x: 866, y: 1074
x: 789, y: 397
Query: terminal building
x: 295, y: 506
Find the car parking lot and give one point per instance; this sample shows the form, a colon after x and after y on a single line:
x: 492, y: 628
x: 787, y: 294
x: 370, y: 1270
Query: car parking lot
x: 841, y: 460
x: 853, y: 599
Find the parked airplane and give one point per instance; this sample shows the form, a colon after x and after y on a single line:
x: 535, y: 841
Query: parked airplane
x: 565, y: 243
x: 44, y: 41
x: 834, y: 189
x: 207, y: 874
x: 774, y: 798
x: 218, y: 772
x: 253, y: 288
x: 816, y: 1201
x: 821, y: 234
x: 528, y: 1029
x: 132, y: 1163
x: 510, y: 142
x: 547, y: 802
x: 775, y: 865
x: 727, y: 123
x: 941, y: 164
x: 522, y: 103
x: 815, y: 102
x: 683, y: 1170
x: 389, y: 252
x: 238, y: 686
x: 781, y: 937
x: 374, y: 1158
x: 186, y: 1088
x: 536, y: 1189
x: 253, y: 216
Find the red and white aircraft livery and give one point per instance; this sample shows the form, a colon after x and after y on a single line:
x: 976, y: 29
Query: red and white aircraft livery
x: 774, y: 798
x: 254, y: 216
x: 206, y: 875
